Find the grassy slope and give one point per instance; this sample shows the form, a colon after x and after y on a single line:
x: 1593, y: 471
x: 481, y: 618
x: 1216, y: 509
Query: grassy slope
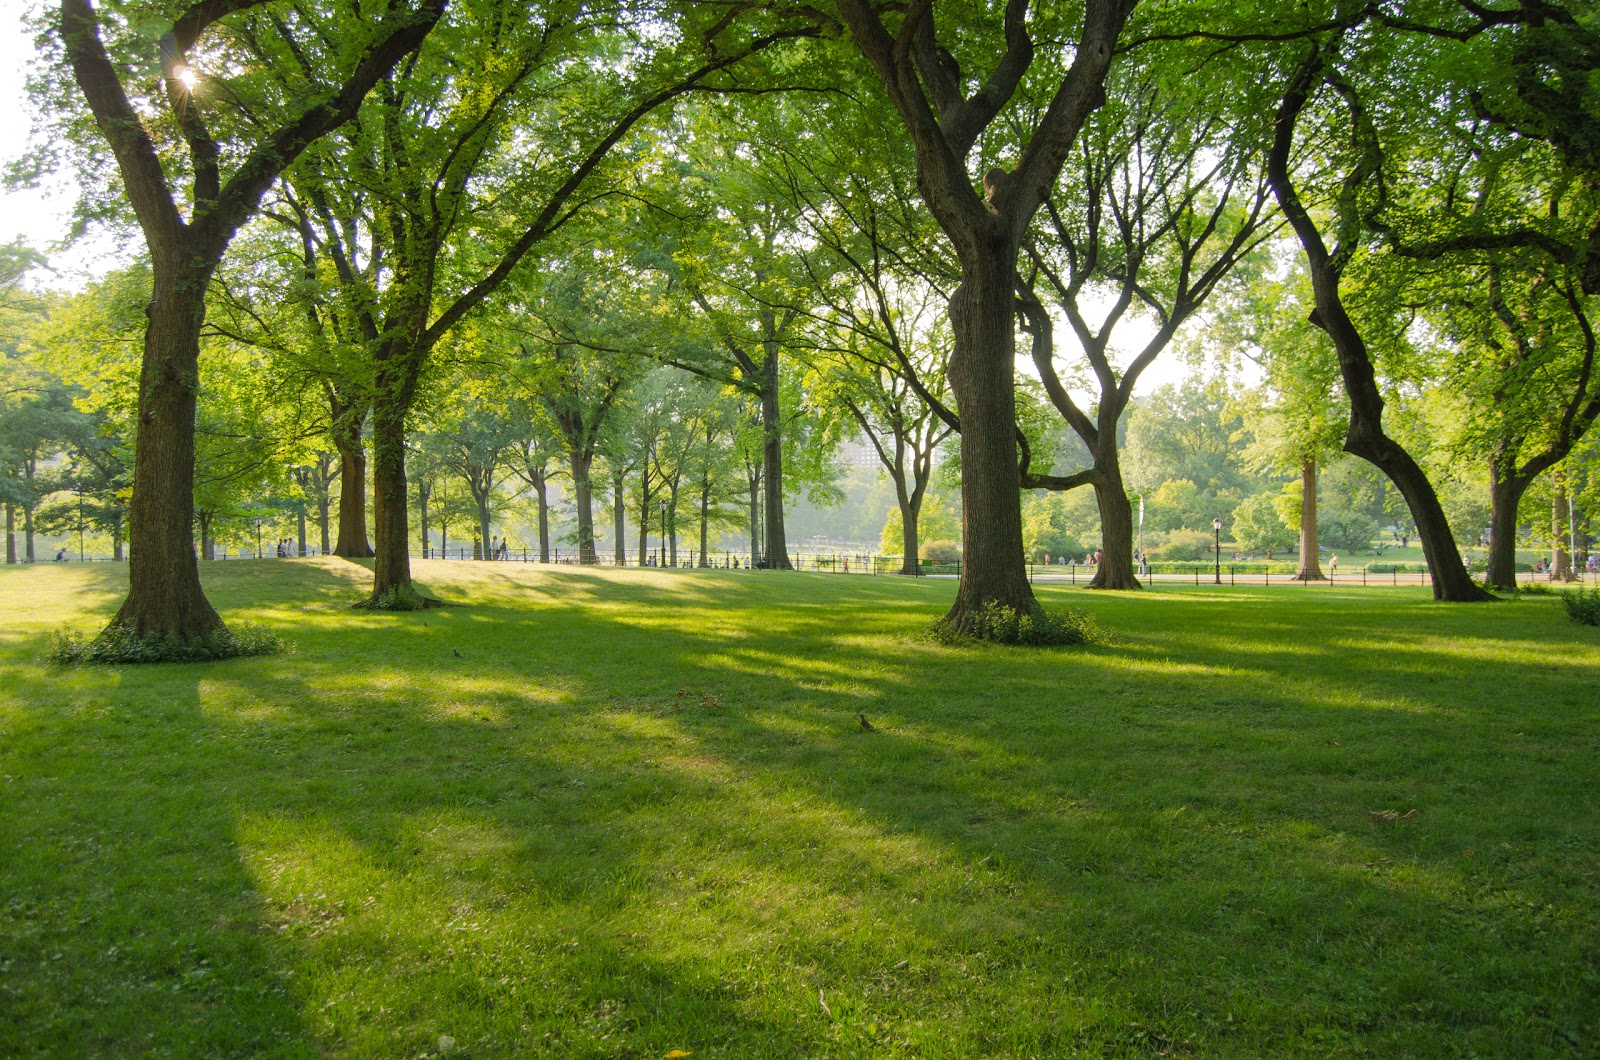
x: 639, y: 815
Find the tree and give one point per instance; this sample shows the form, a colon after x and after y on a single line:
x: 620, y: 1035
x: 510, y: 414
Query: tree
x: 925, y: 68
x: 1157, y: 209
x: 217, y: 115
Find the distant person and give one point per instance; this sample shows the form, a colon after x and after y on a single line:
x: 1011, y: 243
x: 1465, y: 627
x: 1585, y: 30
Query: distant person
x: 1333, y: 563
x: 61, y: 554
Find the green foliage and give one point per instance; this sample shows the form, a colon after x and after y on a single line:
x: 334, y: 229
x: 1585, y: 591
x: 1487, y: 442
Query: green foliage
x: 1185, y: 545
x: 119, y: 645
x: 1346, y: 531
x: 1583, y: 606
x: 1257, y: 527
x: 1039, y: 628
x: 941, y: 552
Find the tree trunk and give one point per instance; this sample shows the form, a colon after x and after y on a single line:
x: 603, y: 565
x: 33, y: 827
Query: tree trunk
x: 705, y: 517
x: 583, y: 497
x: 670, y: 529
x: 1310, y: 560
x: 755, y: 518
x: 27, y: 533
x: 1505, y: 498
x: 301, y: 542
x: 116, y: 541
x: 1115, y: 570
x: 619, y: 523
x: 208, y: 544
x: 11, y: 533
x: 644, y: 517
x: 777, y: 546
x: 910, y: 514
x: 391, y: 570
x: 353, y: 543
x: 539, y: 491
x: 164, y: 594
x: 982, y: 378
x: 323, y: 505
x: 480, y: 498
x: 1560, y: 558
x: 423, y: 493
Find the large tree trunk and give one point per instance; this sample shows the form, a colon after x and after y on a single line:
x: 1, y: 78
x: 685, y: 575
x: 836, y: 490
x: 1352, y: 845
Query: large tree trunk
x: 11, y: 533
x: 1115, y: 570
x: 982, y: 378
x: 353, y: 543
x: 480, y: 498
x: 391, y: 570
x: 1310, y: 559
x: 777, y: 546
x: 301, y: 542
x: 164, y: 594
x: 583, y: 497
x: 619, y: 523
x: 116, y: 541
x: 1505, y: 498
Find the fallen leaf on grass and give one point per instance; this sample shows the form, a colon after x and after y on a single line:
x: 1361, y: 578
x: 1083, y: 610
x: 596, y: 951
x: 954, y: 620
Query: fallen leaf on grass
x: 677, y: 1054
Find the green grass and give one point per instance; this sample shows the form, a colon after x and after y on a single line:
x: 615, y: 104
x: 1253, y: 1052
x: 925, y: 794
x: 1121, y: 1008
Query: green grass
x: 639, y: 815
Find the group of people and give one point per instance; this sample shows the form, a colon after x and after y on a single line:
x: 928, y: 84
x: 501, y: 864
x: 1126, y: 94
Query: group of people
x: 498, y: 549
x: 286, y: 548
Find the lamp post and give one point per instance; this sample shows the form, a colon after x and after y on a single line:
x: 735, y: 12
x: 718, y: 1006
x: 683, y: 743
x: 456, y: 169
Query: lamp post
x: 259, y: 521
x: 1216, y: 528
x: 662, y: 562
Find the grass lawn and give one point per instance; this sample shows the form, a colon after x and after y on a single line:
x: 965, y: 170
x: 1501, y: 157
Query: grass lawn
x: 638, y: 815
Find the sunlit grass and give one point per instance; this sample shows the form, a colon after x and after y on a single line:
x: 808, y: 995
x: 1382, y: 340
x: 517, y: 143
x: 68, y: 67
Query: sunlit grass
x: 617, y: 813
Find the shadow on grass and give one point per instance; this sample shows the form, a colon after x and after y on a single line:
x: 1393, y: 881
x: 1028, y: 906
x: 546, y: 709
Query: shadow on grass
x: 636, y: 815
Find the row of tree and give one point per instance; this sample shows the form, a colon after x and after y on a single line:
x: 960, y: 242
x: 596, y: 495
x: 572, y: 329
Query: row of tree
x: 1351, y: 197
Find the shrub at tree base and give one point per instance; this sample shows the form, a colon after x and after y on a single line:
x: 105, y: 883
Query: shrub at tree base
x: 1583, y: 606
x: 940, y: 552
x: 399, y: 598
x: 119, y: 645
x: 1036, y: 629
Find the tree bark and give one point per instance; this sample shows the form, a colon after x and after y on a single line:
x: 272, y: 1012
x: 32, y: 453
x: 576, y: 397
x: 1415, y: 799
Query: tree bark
x: 583, y: 496
x: 353, y: 542
x: 776, y: 549
x: 391, y: 568
x: 1115, y: 570
x: 910, y: 514
x: 1506, y: 489
x: 539, y: 492
x: 11, y: 533
x: 619, y: 523
x: 423, y: 493
x: 164, y: 594
x: 705, y: 517
x: 1310, y: 559
x: 1560, y: 557
x: 982, y: 378
x: 301, y: 542
x: 755, y: 517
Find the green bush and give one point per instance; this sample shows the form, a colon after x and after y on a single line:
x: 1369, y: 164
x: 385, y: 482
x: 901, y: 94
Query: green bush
x: 940, y: 552
x: 120, y: 645
x: 1189, y: 545
x: 1035, y: 629
x: 1583, y: 607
